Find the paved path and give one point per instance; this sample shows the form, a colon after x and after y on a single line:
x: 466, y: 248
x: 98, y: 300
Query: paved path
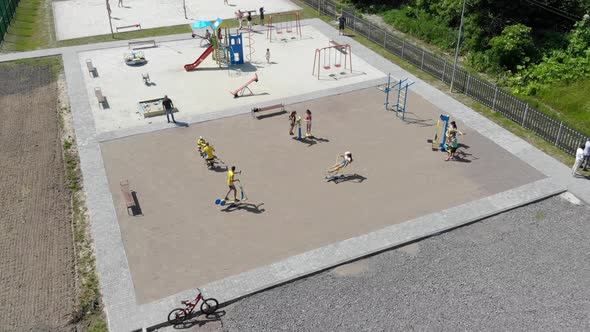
x: 524, y: 270
x: 118, y: 293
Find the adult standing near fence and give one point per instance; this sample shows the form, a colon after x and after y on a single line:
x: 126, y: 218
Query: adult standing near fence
x: 341, y: 23
x: 579, y: 159
x: 587, y: 155
x: 168, y: 108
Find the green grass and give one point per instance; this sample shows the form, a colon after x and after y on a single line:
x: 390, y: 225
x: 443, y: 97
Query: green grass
x: 573, y: 102
x: 31, y: 28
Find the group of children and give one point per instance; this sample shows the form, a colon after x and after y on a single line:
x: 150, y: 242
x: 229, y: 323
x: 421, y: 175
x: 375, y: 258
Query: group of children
x: 239, y: 15
x: 294, y: 119
x: 207, y: 151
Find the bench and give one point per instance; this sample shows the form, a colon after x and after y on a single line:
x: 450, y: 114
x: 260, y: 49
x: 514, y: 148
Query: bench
x: 129, y: 27
x: 102, y: 100
x: 267, y: 108
x: 338, y: 46
x: 128, y: 196
x: 91, y: 69
x: 139, y: 44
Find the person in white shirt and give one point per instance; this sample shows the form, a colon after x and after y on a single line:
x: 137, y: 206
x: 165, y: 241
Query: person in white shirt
x: 587, y: 155
x: 579, y: 159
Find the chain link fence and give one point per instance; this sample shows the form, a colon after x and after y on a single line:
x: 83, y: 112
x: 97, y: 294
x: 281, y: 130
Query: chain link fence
x: 554, y: 131
x: 7, y: 10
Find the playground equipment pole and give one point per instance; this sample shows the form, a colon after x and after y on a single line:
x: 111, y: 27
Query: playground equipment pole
x: 110, y: 21
x: 458, y: 45
x: 184, y: 7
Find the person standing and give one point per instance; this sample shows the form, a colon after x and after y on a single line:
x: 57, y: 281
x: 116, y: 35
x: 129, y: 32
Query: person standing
x: 249, y: 18
x: 240, y: 18
x: 230, y: 182
x: 225, y: 2
x: 120, y: 3
x: 168, y: 108
x: 308, y: 123
x: 267, y: 56
x: 587, y: 155
x: 341, y: 23
x: 579, y: 159
x: 261, y: 10
x: 452, y: 148
x: 292, y: 122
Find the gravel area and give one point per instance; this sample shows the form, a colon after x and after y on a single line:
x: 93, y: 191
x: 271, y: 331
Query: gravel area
x: 524, y: 270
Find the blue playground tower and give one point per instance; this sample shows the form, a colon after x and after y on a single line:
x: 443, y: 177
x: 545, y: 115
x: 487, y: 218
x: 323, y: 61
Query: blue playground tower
x: 236, y: 49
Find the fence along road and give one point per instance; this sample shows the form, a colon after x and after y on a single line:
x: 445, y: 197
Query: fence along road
x: 553, y: 131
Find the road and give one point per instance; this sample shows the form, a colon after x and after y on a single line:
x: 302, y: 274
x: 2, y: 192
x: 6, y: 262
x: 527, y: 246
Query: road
x: 525, y: 270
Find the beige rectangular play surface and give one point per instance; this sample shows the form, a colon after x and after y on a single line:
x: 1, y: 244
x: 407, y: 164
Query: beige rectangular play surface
x: 183, y: 240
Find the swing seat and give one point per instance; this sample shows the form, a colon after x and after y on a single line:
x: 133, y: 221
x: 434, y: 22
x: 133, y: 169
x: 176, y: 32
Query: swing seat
x: 337, y: 65
x: 327, y: 67
x: 279, y: 32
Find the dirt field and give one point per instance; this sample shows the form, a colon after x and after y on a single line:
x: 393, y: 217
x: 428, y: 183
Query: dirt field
x: 184, y: 240
x: 37, y: 281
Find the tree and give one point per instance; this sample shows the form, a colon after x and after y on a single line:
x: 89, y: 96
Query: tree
x: 513, y: 48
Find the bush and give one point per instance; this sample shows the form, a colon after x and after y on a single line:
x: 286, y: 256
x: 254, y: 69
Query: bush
x: 513, y: 48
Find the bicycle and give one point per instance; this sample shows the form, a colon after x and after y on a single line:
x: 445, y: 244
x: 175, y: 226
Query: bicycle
x: 179, y: 315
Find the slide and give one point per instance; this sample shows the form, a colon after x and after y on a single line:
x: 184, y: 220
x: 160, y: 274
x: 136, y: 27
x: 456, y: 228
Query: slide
x: 203, y: 56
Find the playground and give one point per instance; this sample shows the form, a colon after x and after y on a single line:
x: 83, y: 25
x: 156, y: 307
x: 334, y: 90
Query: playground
x: 207, y: 87
x: 183, y: 240
x: 85, y: 18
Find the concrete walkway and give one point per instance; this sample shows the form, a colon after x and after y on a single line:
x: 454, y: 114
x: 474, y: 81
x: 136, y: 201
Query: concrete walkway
x: 117, y: 288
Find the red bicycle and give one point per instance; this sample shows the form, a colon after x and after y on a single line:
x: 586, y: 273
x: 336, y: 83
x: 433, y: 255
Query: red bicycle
x: 178, y: 315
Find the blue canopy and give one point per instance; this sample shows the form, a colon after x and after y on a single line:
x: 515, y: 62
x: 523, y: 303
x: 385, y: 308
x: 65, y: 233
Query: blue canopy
x: 201, y: 24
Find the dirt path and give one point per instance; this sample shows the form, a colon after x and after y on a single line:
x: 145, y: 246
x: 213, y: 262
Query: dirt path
x: 36, y: 248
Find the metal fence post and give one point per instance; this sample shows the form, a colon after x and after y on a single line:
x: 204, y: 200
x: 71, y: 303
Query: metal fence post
x: 444, y: 72
x: 422, y: 61
x: 385, y: 40
x: 403, y: 46
x: 467, y: 84
x: 494, y: 101
x: 558, y: 134
x: 526, y: 110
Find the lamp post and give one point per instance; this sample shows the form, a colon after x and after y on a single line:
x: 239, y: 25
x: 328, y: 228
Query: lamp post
x: 184, y: 6
x: 458, y: 45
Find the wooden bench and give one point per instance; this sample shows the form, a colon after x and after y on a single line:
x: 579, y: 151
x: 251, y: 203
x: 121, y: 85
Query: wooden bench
x: 102, y: 100
x: 267, y: 108
x: 339, y: 47
x: 129, y: 27
x: 139, y: 44
x: 129, y: 200
x: 91, y: 69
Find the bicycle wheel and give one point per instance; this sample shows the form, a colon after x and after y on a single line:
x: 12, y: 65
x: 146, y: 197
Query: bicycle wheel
x: 209, y: 306
x: 176, y: 316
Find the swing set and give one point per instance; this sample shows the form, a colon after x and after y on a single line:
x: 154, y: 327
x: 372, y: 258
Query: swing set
x: 332, y: 56
x: 283, y: 23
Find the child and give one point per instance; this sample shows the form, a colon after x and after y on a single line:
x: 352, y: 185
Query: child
x: 249, y: 18
x: 230, y: 183
x: 268, y: 55
x: 308, y: 123
x: 240, y: 18
x: 292, y: 120
x: 208, y: 151
x: 346, y: 160
x: 200, y: 145
x: 452, y: 149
